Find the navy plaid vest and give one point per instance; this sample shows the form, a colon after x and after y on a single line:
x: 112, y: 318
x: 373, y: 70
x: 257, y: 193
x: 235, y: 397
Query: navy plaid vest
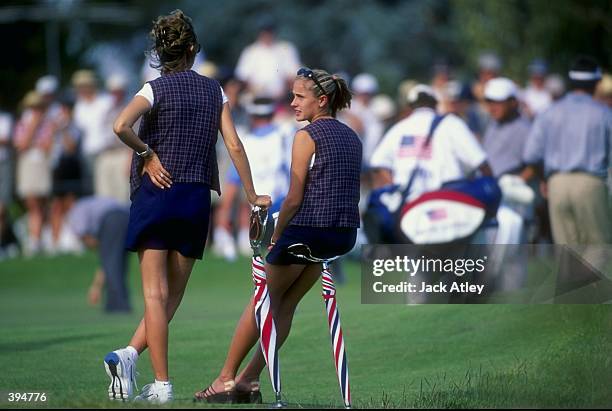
x: 331, y: 195
x: 182, y: 128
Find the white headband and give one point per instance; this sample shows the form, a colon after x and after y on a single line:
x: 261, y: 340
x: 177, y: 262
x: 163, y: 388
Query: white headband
x: 585, y: 75
x: 260, y: 109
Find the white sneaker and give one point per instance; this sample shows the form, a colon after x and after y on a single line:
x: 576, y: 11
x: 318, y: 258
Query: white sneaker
x: 156, y: 393
x: 120, y: 366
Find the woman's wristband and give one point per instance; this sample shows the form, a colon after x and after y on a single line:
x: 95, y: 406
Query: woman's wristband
x: 145, y: 154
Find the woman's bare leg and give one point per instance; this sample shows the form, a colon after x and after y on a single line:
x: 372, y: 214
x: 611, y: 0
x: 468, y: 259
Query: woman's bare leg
x: 179, y: 271
x: 283, y: 315
x: 280, y: 278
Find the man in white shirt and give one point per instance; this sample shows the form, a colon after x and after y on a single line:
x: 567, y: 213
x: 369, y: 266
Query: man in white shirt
x: 268, y: 65
x: 453, y: 153
x: 91, y: 113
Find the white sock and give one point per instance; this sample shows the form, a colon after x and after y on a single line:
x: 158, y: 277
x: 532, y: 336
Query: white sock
x: 158, y: 382
x: 133, y: 352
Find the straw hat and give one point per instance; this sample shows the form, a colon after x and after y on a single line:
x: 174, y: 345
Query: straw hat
x: 84, y: 78
x: 32, y: 99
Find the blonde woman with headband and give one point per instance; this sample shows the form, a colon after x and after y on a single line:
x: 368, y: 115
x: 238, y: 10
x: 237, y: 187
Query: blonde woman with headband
x: 174, y: 169
x: 320, y: 212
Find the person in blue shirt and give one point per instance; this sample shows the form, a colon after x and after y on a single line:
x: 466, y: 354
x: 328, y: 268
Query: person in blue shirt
x: 101, y: 223
x: 572, y: 142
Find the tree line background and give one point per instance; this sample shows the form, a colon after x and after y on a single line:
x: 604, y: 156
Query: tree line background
x: 392, y: 39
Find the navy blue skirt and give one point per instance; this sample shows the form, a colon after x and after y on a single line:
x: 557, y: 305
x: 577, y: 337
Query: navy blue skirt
x: 174, y: 218
x: 324, y: 242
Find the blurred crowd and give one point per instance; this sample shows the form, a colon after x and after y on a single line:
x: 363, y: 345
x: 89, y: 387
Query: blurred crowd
x: 59, y: 145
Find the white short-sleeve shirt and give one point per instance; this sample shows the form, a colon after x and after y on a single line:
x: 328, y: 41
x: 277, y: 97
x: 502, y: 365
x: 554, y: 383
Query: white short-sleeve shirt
x: 266, y: 68
x: 453, y: 152
x: 147, y: 92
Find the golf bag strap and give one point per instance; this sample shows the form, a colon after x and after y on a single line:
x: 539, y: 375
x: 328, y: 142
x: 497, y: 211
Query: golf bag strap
x: 432, y: 128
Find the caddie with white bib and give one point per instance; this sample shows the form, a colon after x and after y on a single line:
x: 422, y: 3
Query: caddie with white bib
x: 425, y: 161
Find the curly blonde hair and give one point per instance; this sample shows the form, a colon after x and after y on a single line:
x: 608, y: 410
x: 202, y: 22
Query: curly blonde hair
x: 172, y: 37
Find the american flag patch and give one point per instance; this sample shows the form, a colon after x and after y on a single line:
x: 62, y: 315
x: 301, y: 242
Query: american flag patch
x: 436, y: 215
x: 412, y: 146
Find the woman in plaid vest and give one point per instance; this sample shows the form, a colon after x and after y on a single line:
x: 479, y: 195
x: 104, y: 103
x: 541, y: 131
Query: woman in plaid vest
x: 320, y: 212
x: 173, y: 170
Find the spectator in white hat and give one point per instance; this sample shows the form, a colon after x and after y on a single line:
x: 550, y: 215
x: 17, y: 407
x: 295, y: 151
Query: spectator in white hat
x: 504, y: 141
x: 91, y: 113
x: 506, y: 134
x: 370, y: 128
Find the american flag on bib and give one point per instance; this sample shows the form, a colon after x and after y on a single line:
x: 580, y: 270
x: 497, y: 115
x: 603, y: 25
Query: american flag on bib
x: 412, y: 146
x: 437, y: 214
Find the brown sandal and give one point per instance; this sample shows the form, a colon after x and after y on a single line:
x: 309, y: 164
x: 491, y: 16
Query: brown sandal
x: 253, y: 396
x: 227, y: 396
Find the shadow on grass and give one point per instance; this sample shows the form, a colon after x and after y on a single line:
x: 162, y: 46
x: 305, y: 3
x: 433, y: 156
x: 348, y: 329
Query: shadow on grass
x: 43, y: 344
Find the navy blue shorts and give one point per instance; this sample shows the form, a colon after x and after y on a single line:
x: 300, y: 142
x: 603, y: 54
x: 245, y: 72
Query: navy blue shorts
x: 174, y: 218
x: 324, y: 242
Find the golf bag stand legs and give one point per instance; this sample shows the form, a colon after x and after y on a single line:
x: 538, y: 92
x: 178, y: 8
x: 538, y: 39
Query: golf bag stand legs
x: 335, y: 331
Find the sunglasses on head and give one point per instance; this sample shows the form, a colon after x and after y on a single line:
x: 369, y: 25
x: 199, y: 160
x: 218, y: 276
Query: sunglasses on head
x: 304, y: 72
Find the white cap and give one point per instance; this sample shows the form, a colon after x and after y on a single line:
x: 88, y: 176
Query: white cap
x: 47, y: 85
x: 500, y: 89
x: 413, y: 95
x: 116, y: 82
x: 383, y: 107
x: 365, y: 83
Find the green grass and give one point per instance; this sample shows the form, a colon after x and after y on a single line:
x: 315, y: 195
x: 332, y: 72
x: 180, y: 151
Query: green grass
x: 424, y: 356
